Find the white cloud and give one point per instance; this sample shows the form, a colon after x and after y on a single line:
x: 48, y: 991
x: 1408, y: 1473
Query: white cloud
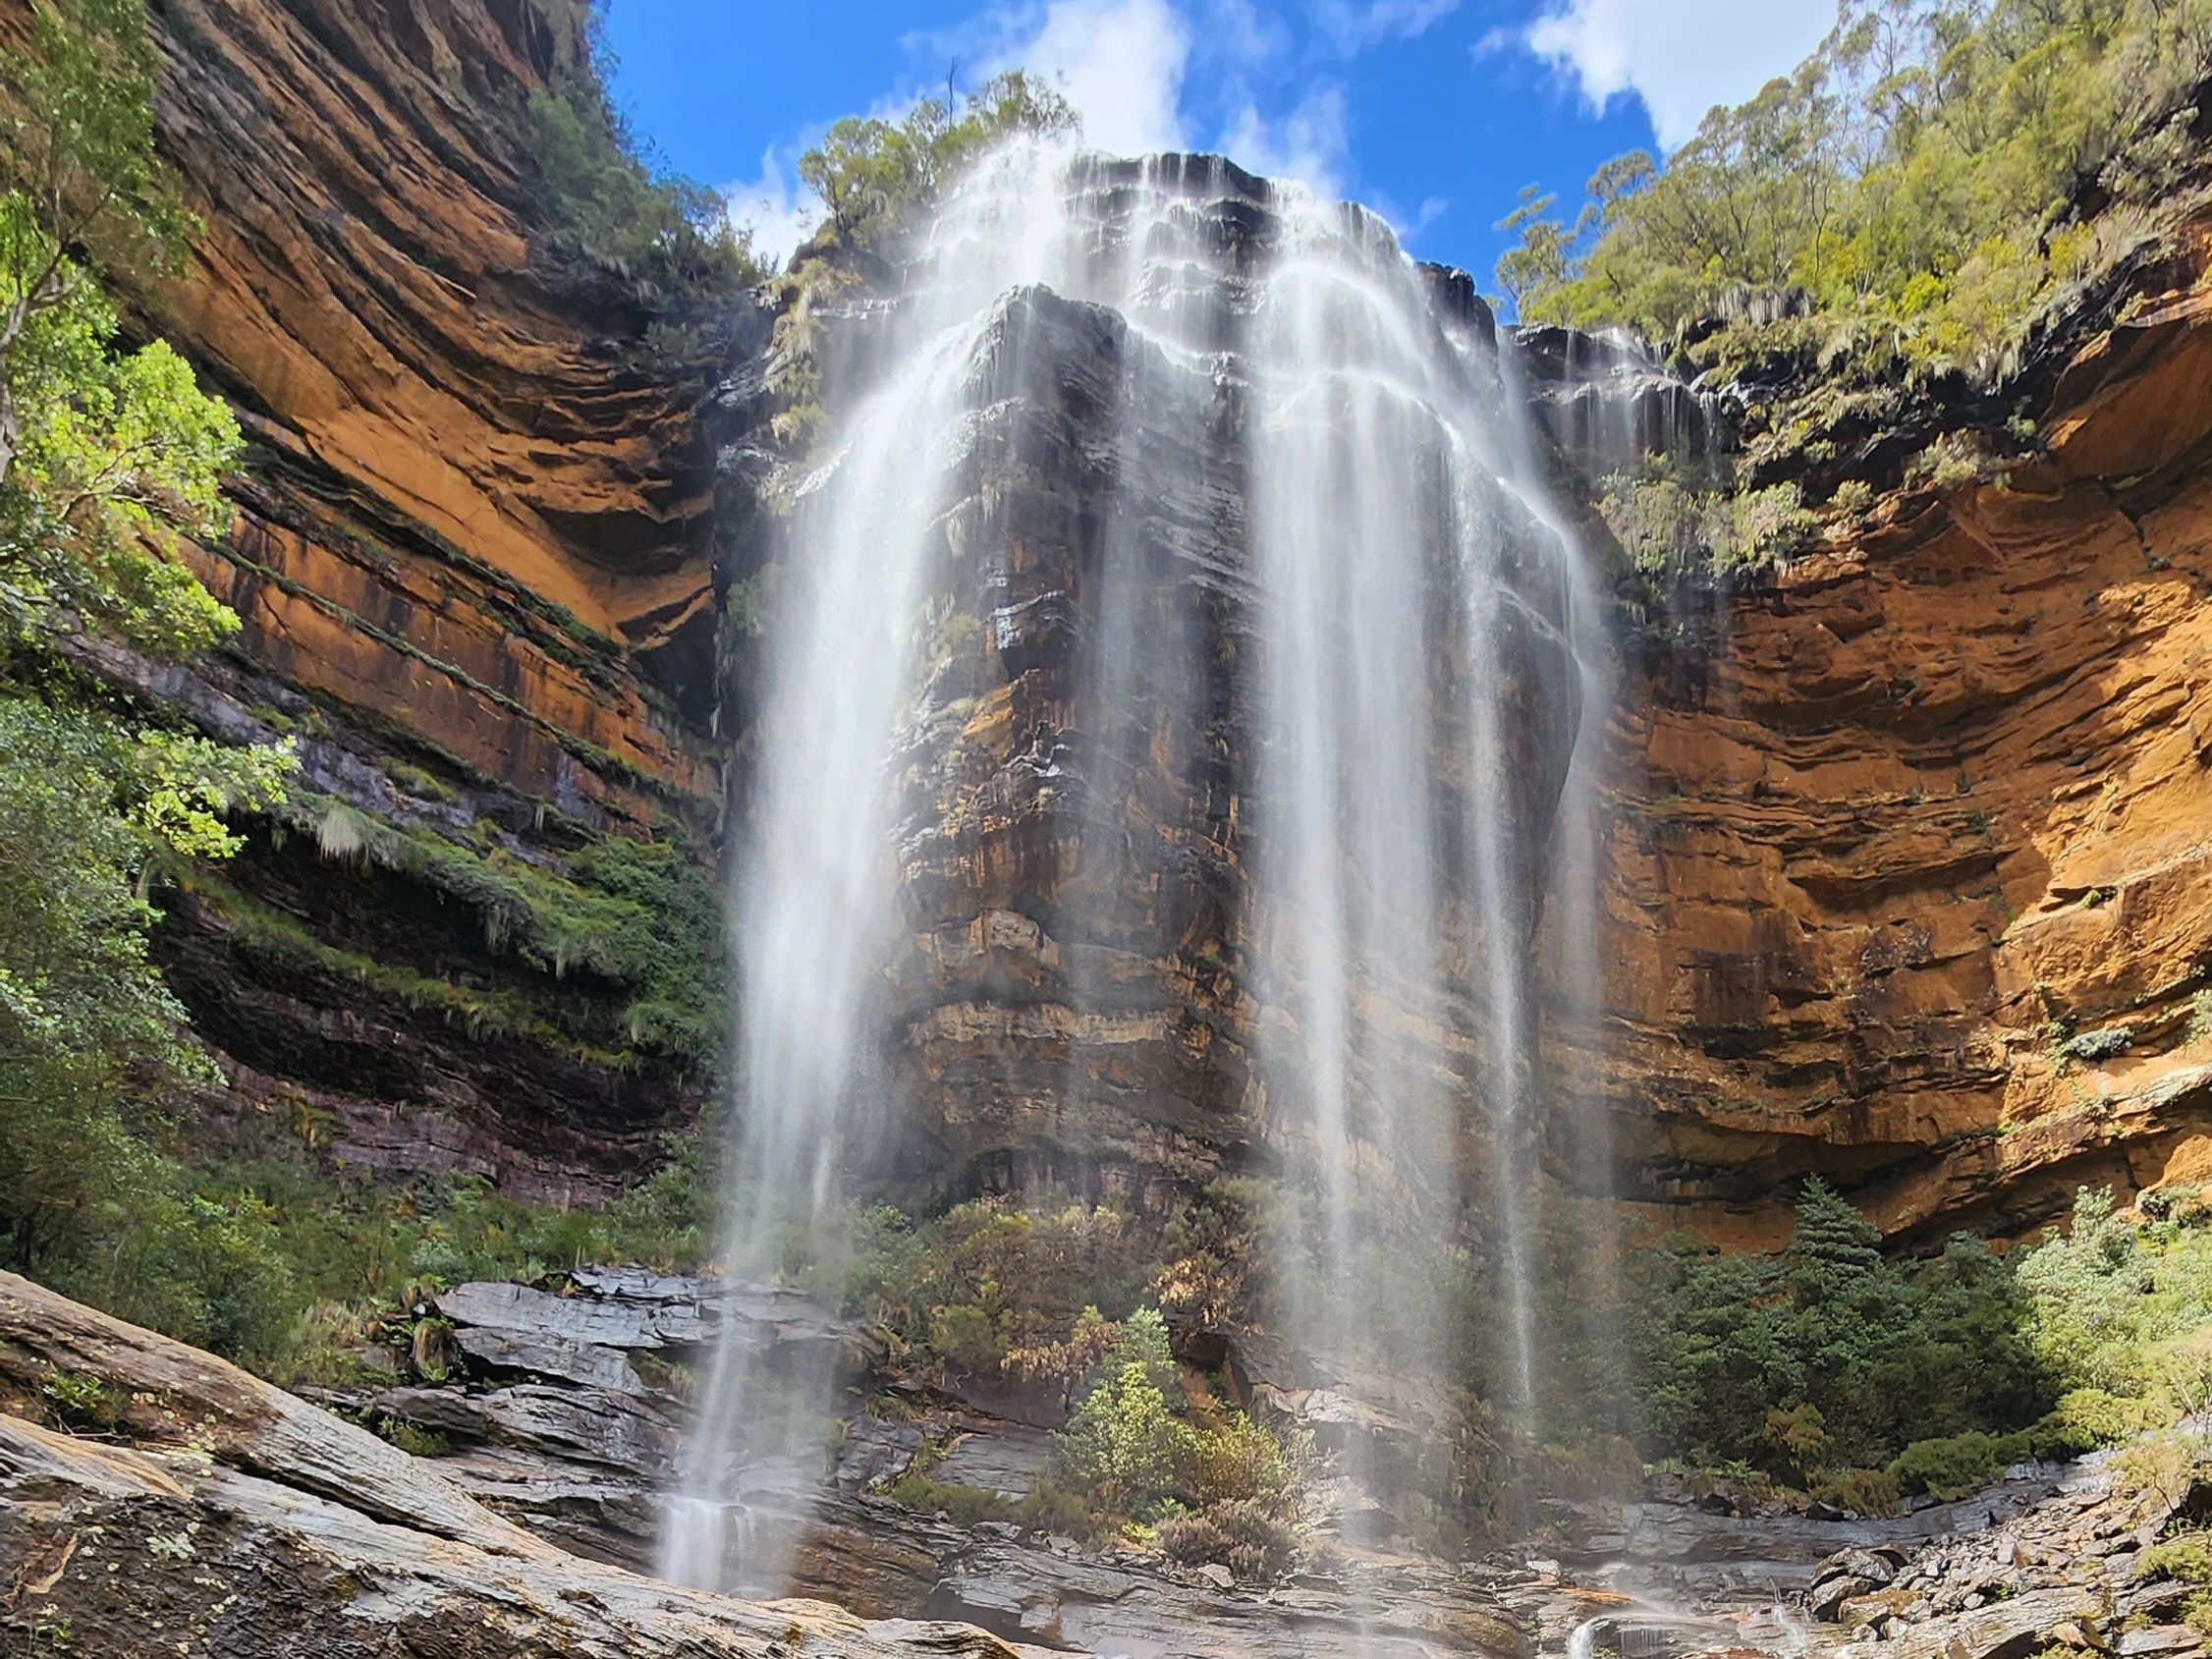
x: 778, y: 211
x: 1120, y: 62
x: 1307, y: 145
x: 1235, y: 31
x: 1356, y: 24
x: 1408, y: 226
x: 1680, y: 58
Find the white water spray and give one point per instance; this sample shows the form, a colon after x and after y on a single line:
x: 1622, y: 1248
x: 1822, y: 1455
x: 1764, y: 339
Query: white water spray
x: 1416, y: 697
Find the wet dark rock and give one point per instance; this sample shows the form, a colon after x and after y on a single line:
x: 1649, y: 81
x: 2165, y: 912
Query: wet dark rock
x: 1004, y: 1457
x: 874, y: 1451
x: 497, y: 1351
x: 1609, y: 402
x: 587, y: 1425
x: 2101, y: 1044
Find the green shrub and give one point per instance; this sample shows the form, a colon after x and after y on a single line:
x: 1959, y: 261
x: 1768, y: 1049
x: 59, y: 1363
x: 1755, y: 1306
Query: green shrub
x: 81, y: 1400
x: 996, y: 1286
x: 1238, y: 1462
x: 1124, y: 1447
x: 2186, y: 1558
x: 1669, y: 525
x: 2088, y: 1418
x: 2110, y: 1292
x: 414, y: 1440
x: 1828, y: 1356
x: 1048, y: 1506
x: 964, y: 1505
x: 1959, y: 1464
x: 1863, y: 1491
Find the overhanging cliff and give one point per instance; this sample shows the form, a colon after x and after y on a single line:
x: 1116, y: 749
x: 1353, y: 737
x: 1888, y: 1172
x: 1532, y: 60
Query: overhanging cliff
x: 473, y: 560
x: 1911, y: 877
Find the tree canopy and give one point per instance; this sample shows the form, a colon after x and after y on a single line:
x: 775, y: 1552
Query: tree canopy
x: 869, y: 172
x: 1932, y: 173
x: 106, y: 457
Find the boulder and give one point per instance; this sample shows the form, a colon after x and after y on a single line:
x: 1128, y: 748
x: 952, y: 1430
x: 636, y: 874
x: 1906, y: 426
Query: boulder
x: 2011, y: 1628
x: 226, y: 1517
x: 1845, y: 1575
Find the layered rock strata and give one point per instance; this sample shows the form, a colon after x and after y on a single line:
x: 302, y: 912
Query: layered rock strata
x: 476, y: 505
x: 1900, y: 887
x: 473, y: 559
x: 1077, y: 994
x: 1907, y: 882
x: 216, y: 1515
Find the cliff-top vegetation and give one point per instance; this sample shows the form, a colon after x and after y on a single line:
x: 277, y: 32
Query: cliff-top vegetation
x: 668, y: 238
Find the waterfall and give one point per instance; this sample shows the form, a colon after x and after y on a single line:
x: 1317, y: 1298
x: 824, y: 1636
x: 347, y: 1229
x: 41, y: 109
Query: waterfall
x: 1423, y: 700
x: 1305, y: 566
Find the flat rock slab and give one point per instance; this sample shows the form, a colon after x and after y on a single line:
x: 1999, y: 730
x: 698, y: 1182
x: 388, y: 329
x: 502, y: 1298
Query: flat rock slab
x: 1004, y: 1457
x: 634, y: 1309
x: 2005, y: 1629
x: 245, y: 1522
x: 874, y: 1450
x: 2161, y: 1640
x: 577, y: 1321
x: 585, y: 1363
x: 578, y: 1426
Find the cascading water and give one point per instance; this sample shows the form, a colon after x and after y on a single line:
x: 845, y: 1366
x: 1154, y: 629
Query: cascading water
x: 814, y: 911
x: 1423, y: 703
x: 1304, y: 548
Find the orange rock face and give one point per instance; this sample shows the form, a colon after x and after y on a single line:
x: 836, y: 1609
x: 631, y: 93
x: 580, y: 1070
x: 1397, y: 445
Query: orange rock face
x: 1920, y: 812
x: 473, y: 559
x: 470, y: 511
x: 1910, y: 876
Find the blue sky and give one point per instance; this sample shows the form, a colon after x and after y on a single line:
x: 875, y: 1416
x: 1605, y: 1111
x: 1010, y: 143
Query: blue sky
x: 1434, y: 112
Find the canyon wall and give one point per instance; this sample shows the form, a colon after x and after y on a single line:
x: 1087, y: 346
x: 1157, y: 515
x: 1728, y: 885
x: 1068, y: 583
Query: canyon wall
x: 471, y: 559
x: 1910, y: 873
x: 1891, y: 829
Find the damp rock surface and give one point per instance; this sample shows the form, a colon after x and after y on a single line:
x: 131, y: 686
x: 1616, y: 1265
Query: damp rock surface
x: 214, y: 1513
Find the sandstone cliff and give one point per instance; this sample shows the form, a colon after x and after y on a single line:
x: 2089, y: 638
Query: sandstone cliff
x: 473, y: 560
x: 1890, y: 830
x: 1907, y: 878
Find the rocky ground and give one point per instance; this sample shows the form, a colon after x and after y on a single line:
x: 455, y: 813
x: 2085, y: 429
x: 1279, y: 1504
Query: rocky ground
x: 155, y: 1499
x: 188, y: 1509
x: 2065, y: 1570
